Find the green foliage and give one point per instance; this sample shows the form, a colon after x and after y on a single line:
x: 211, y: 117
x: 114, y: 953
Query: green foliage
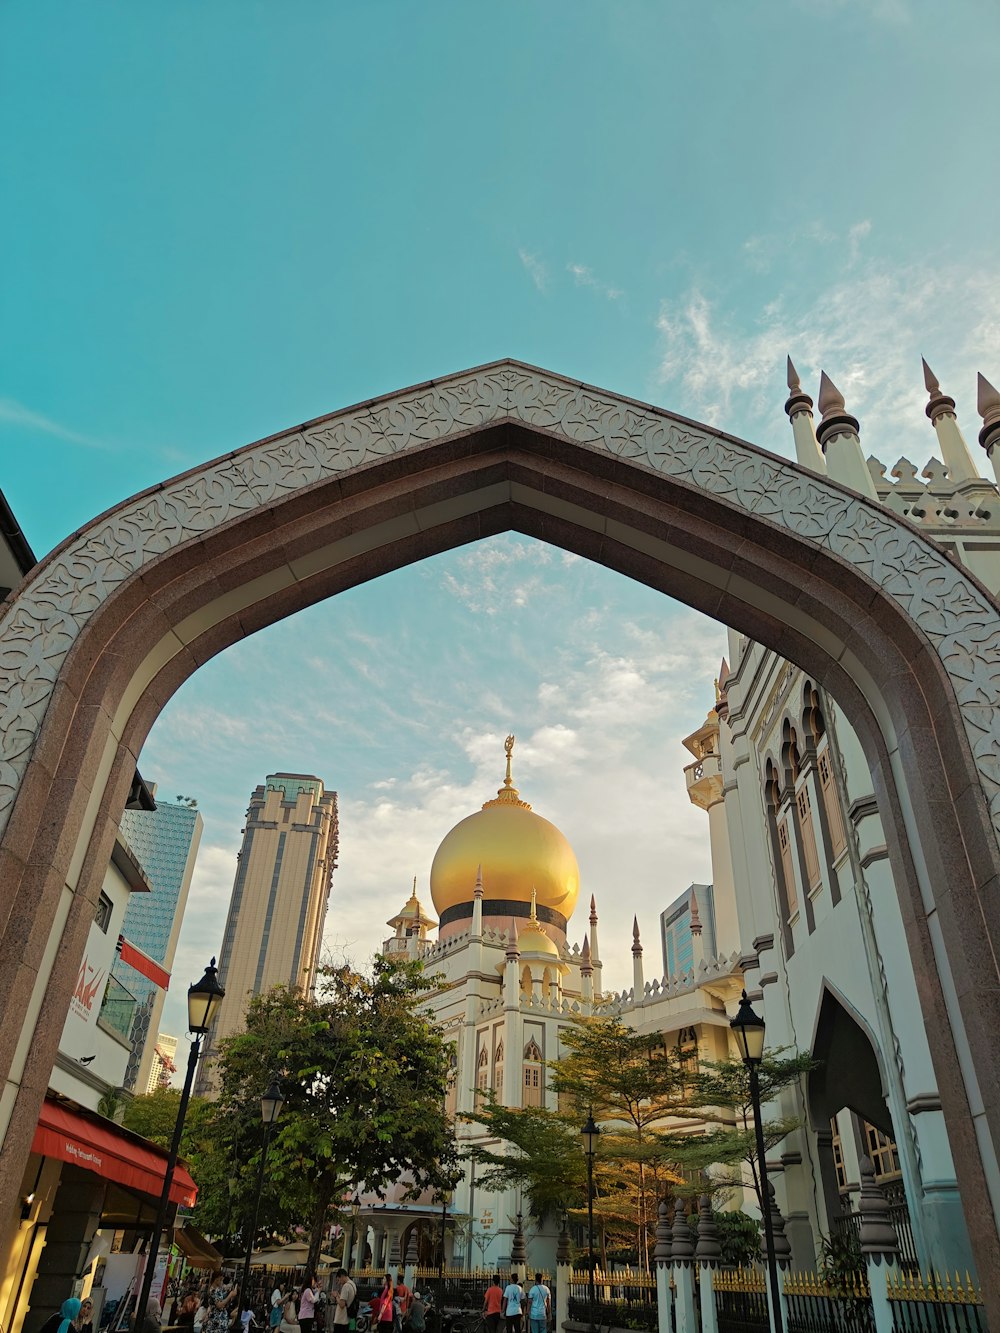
x: 841, y: 1260
x: 363, y: 1071
x: 739, y: 1238
x: 155, y: 1115
x: 539, y: 1154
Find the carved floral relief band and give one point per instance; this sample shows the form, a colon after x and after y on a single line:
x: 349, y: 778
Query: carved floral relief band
x: 52, y: 607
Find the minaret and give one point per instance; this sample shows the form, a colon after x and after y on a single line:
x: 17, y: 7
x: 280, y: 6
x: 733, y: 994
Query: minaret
x: 638, y: 985
x: 595, y: 950
x: 988, y: 404
x: 586, y: 973
x: 941, y: 410
x: 838, y: 436
x: 697, y: 942
x: 511, y: 972
x: 799, y: 409
x: 477, y: 906
x: 706, y: 789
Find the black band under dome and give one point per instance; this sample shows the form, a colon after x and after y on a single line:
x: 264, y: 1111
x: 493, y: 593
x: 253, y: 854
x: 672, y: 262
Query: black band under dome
x: 503, y: 907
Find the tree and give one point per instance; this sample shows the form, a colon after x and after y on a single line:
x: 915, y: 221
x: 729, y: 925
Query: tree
x: 653, y: 1106
x: 363, y: 1073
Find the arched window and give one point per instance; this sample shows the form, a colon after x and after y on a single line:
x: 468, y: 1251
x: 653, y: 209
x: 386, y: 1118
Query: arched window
x: 498, y: 1070
x: 799, y: 782
x: 483, y: 1071
x: 532, y: 1075
x: 526, y: 982
x: 547, y: 984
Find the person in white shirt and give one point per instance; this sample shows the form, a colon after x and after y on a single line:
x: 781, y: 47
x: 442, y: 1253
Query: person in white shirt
x: 513, y: 1296
x: 539, y: 1305
x: 346, y: 1297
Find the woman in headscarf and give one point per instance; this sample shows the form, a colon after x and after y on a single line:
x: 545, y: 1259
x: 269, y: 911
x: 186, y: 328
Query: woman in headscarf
x: 65, y: 1320
x: 154, y: 1316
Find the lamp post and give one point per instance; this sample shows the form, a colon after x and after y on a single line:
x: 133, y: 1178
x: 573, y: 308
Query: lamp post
x: 589, y: 1134
x: 748, y: 1029
x: 270, y: 1108
x: 204, y: 1000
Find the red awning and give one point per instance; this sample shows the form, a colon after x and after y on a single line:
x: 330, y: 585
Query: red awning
x: 98, y: 1146
x: 142, y: 962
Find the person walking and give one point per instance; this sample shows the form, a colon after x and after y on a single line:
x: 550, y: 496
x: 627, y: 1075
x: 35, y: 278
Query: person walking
x: 66, y: 1319
x: 513, y: 1295
x: 345, y: 1304
x: 383, y: 1311
x: 404, y: 1296
x: 308, y: 1298
x: 539, y: 1305
x: 493, y: 1305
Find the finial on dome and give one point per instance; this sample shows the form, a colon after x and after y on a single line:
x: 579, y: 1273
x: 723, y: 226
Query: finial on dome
x: 508, y: 793
x: 534, y: 905
x: 478, y: 891
x: 636, y: 945
x: 414, y: 886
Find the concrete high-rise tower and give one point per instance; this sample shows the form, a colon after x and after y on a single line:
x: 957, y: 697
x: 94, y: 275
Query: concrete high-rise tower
x: 274, y: 929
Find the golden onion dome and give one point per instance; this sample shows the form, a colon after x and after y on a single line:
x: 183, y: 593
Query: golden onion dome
x: 518, y: 851
x: 532, y: 939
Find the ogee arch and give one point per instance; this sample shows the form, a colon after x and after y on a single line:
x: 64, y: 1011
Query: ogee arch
x: 112, y: 622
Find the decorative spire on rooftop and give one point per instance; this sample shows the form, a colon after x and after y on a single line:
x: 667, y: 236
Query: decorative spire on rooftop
x: 478, y: 891
x: 513, y: 951
x: 636, y: 943
x: 799, y: 408
x: 941, y: 411
x: 841, y: 444
x: 696, y: 926
x: 988, y: 406
x: 508, y: 793
x: 586, y: 966
x: 593, y: 910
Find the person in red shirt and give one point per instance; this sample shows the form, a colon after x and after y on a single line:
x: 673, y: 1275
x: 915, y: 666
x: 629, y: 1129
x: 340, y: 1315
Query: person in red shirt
x: 404, y: 1296
x: 493, y: 1306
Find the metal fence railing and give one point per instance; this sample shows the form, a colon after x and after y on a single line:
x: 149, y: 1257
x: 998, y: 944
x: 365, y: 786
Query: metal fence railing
x: 927, y: 1304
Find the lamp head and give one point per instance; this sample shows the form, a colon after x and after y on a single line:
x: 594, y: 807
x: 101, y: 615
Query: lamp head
x: 271, y: 1102
x: 589, y: 1134
x: 748, y: 1029
x: 204, y: 1001
x: 356, y: 1207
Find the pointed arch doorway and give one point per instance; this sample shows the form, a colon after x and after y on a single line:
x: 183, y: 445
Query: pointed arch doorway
x: 106, y: 628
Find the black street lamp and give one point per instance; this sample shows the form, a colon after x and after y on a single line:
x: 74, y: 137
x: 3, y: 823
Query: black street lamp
x: 748, y: 1029
x: 270, y: 1108
x: 589, y: 1134
x: 204, y: 1001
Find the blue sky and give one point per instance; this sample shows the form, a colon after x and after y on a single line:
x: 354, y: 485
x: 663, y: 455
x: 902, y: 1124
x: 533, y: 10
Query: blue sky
x: 220, y: 220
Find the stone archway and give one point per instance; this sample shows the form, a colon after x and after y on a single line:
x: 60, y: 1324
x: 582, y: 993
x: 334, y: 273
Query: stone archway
x: 109, y: 625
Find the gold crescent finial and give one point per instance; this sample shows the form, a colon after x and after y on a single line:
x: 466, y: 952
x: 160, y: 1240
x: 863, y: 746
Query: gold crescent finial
x: 508, y: 793
x: 508, y: 749
x: 718, y: 691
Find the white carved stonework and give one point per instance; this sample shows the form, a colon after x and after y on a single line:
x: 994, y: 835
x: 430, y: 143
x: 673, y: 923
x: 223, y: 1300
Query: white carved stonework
x: 41, y: 625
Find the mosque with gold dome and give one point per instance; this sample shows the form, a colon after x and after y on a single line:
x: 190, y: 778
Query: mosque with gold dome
x: 514, y: 974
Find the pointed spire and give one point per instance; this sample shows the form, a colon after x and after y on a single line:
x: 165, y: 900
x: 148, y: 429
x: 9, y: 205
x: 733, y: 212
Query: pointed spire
x: 534, y: 906
x: 838, y: 437
x: 636, y: 944
x: 586, y: 967
x: 696, y: 926
x: 940, y: 410
x: 799, y: 408
x: 478, y: 891
x: 988, y: 406
x: 512, y: 947
x: 593, y: 910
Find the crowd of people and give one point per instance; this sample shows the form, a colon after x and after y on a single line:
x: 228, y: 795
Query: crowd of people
x: 308, y: 1308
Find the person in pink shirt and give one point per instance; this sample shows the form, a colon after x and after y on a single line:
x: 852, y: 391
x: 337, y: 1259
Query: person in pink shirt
x: 308, y: 1297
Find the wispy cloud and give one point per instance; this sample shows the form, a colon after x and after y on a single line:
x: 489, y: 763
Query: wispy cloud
x: 17, y: 414
x: 861, y: 329
x: 585, y: 277
x: 535, y: 268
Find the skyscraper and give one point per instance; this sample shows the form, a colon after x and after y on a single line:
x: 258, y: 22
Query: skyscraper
x: 274, y: 929
x: 166, y: 842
